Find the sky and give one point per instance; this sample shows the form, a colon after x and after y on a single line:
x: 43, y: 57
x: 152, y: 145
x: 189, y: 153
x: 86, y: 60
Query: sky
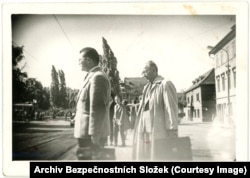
x: 176, y: 43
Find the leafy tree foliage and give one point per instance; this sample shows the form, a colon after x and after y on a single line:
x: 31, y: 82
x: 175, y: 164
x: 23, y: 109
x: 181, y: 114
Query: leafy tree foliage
x: 17, y: 55
x: 109, y: 65
x: 26, y: 89
x: 54, y: 88
x: 36, y: 93
x: 18, y: 77
x: 62, y: 90
x: 72, y: 97
x: 44, y: 103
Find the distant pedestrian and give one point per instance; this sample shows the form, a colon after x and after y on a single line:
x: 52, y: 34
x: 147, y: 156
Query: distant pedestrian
x: 121, y: 122
x: 54, y: 115
x: 133, y: 111
x: 65, y: 115
x: 127, y: 123
x: 111, y: 114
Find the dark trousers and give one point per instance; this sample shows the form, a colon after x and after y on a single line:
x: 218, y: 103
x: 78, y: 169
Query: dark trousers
x: 111, y: 131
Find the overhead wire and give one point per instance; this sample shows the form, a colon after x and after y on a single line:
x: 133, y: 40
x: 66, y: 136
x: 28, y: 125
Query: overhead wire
x: 27, y: 52
x: 26, y: 65
x: 65, y: 34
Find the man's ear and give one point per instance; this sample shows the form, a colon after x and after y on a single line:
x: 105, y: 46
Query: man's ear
x: 88, y: 60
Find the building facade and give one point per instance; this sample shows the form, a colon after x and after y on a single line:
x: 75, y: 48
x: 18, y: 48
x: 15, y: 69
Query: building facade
x: 132, y: 88
x: 224, y: 54
x: 200, y: 98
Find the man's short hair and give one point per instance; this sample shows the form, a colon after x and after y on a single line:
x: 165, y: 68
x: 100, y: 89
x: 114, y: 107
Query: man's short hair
x: 118, y: 96
x: 91, y: 53
x: 152, y: 64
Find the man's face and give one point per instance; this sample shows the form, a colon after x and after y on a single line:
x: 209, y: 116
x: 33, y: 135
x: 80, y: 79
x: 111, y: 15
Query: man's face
x: 148, y: 72
x: 117, y: 100
x: 83, y: 62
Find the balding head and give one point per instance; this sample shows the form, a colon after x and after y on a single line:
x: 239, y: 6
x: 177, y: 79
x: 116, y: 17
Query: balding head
x: 150, y: 71
x: 151, y: 64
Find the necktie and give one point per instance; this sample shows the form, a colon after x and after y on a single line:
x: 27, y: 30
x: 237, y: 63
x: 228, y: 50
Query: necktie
x: 86, y: 76
x: 146, y: 103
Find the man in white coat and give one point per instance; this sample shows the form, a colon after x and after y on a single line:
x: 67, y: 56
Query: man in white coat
x: 157, y: 115
x: 92, y: 109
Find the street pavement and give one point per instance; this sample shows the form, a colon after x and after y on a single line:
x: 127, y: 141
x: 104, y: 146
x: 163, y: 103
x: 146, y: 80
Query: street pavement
x: 210, y: 142
x: 53, y: 140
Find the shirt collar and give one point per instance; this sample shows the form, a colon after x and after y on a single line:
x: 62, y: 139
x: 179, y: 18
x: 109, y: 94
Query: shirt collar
x: 158, y: 79
x: 93, y: 69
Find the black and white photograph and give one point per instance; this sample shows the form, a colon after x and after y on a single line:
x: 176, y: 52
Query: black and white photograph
x: 151, y: 84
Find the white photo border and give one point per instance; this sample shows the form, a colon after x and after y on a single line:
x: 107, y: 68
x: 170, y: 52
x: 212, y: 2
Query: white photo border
x: 240, y: 9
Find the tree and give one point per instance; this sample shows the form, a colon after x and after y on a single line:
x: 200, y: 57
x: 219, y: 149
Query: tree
x: 36, y: 93
x: 26, y: 89
x: 18, y: 77
x: 62, y: 90
x: 54, y: 88
x: 33, y: 90
x: 109, y: 65
x: 72, y: 97
x: 17, y: 55
x: 45, y: 102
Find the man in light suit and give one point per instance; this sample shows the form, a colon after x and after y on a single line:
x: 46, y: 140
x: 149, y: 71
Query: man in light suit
x: 92, y: 109
x: 157, y: 115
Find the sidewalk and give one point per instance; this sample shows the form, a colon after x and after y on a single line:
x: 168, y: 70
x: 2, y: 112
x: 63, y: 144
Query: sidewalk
x: 210, y: 141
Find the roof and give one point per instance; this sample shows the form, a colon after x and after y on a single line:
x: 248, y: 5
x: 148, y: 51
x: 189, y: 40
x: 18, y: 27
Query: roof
x: 224, y: 41
x: 135, y: 80
x: 205, y: 79
x: 23, y: 104
x: 135, y: 84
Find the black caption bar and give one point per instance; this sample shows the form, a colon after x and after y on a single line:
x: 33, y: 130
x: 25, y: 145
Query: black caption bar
x: 124, y: 169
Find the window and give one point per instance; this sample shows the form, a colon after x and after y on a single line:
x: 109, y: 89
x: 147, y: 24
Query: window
x: 227, y: 54
x: 234, y: 75
x: 198, y: 113
x: 229, y: 80
x: 218, y: 83
x: 233, y: 49
x: 223, y: 82
x: 222, y: 56
x: 197, y: 97
x: 192, y: 99
x: 187, y: 99
x: 217, y: 60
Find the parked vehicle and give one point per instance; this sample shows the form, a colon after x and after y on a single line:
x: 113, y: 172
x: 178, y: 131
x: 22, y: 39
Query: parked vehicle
x: 23, y: 111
